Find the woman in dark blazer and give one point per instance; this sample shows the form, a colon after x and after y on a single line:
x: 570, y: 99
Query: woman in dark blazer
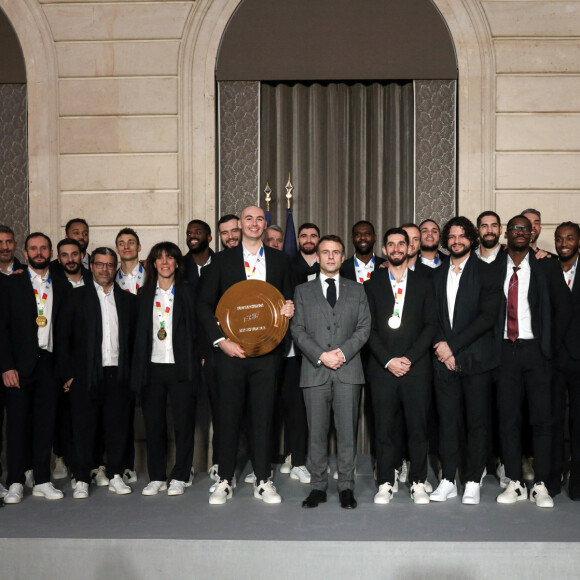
x: 165, y: 363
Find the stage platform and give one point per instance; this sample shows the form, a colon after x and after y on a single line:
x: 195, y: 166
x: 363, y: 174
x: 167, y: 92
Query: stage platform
x: 136, y: 537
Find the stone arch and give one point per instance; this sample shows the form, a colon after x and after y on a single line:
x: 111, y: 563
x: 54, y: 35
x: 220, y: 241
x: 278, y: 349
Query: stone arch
x: 202, y: 36
x: 29, y: 23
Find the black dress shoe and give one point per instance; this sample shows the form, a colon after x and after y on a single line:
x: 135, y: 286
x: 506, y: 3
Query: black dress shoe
x: 347, y: 500
x: 316, y: 496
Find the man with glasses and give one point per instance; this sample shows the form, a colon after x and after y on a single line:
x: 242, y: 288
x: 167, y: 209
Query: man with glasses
x: 532, y: 320
x: 95, y: 342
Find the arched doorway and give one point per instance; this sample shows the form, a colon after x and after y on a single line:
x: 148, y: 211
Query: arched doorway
x: 343, y: 96
x: 13, y: 134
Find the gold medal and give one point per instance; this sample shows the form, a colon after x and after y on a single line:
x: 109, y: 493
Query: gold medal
x: 162, y: 334
x: 41, y: 321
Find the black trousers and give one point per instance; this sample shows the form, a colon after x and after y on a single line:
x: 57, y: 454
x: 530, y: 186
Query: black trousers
x: 565, y: 384
x: 252, y: 382
x: 30, y: 418
x: 410, y: 397
x: 63, y: 444
x: 463, y: 407
x: 163, y: 383
x: 295, y: 423
x: 105, y: 409
x: 2, y: 405
x: 209, y: 385
x: 129, y: 459
x: 524, y: 371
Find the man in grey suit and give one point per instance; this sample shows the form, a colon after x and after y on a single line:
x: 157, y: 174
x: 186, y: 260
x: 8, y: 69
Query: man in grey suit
x: 331, y: 324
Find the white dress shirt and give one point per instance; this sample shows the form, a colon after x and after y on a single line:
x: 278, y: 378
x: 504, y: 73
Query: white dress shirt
x: 256, y: 269
x: 434, y: 263
x: 324, y: 285
x: 453, y: 280
x: 402, y: 284
x: 524, y: 312
x: 570, y: 275
x: 42, y: 285
x: 203, y: 266
x: 491, y: 258
x: 78, y: 284
x: 132, y: 281
x: 110, y: 324
x: 162, y: 351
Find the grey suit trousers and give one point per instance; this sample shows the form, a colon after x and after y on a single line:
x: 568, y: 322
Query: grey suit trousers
x: 343, y: 399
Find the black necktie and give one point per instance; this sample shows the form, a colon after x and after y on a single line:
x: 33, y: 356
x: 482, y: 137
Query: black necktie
x: 331, y: 292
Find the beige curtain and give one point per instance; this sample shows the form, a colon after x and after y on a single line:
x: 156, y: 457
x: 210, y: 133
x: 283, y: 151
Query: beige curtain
x: 349, y: 148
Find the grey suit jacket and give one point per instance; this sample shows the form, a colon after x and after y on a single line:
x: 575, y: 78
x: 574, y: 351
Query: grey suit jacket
x: 318, y: 328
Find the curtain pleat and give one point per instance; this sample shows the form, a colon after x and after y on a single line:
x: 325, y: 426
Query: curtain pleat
x: 349, y: 148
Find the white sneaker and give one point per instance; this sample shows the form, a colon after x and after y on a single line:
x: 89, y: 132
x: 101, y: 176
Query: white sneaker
x: 60, y: 470
x: 300, y: 473
x: 119, y: 486
x: 418, y: 494
x: 266, y: 491
x: 222, y: 493
x: 471, y: 493
x: 154, y: 487
x: 428, y: 486
x: 514, y: 492
x: 250, y: 478
x: 540, y: 496
x: 286, y: 467
x: 99, y: 476
x: 47, y: 490
x: 81, y: 490
x: 214, y: 486
x: 500, y: 472
x: 528, y: 468
x: 385, y: 494
x: 129, y: 476
x: 15, y: 493
x: 445, y: 490
x: 404, y: 472
x: 29, y: 476
x: 214, y: 472
x: 3, y: 491
x: 176, y: 487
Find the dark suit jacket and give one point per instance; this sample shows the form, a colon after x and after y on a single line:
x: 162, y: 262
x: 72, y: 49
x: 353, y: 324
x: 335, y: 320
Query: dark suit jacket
x: 184, y: 337
x: 80, y: 336
x: 414, y: 337
x: 568, y: 357
x: 301, y: 270
x: 191, y: 269
x: 19, y: 332
x: 444, y: 260
x: 348, y: 271
x: 227, y: 269
x: 549, y: 299
x: 472, y: 339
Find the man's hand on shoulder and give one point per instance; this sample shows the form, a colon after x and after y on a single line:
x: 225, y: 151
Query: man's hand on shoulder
x: 541, y: 254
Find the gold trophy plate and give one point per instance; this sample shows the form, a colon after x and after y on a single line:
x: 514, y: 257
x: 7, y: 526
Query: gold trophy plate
x: 249, y: 314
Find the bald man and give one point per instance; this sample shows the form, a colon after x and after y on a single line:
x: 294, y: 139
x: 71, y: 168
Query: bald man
x: 244, y: 380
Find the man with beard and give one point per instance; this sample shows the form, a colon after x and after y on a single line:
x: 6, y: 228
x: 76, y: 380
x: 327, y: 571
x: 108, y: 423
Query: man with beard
x: 305, y: 265
x: 69, y: 256
x: 78, y: 229
x: 229, y: 230
x: 399, y: 368
x: 361, y: 266
x: 532, y: 320
x: 198, y: 238
x: 430, y: 235
x: 243, y: 380
x: 32, y: 303
x: 131, y: 273
x: 274, y: 237
x: 94, y: 345
x: 467, y: 299
x: 8, y: 263
x: 489, y: 230
x: 566, y: 379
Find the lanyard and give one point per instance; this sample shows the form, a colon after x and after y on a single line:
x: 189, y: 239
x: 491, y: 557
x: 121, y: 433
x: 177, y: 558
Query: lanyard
x: 569, y: 276
x: 41, y: 296
x: 163, y: 314
x: 122, y: 279
x: 360, y: 270
x: 247, y: 264
x: 398, y: 293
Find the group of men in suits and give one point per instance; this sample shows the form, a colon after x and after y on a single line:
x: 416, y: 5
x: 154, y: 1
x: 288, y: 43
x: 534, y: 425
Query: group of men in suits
x: 420, y: 328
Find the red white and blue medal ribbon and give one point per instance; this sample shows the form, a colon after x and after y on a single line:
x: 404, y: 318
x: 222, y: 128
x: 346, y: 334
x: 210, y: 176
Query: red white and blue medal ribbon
x: 249, y: 272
